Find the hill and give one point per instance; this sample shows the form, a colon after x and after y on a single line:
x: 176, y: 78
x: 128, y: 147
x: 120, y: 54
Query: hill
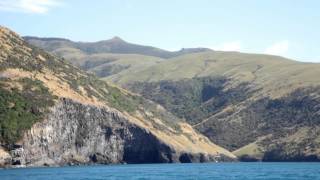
x: 52, y: 113
x: 109, y: 57
x: 259, y: 106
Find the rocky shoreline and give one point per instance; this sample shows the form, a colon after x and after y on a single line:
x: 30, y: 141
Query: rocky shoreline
x: 78, y: 134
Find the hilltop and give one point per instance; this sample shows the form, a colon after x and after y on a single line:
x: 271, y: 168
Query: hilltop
x: 116, y: 45
x: 108, y: 58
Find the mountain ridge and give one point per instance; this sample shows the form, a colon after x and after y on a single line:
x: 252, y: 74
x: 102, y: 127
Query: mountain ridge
x: 107, y: 58
x: 124, y: 47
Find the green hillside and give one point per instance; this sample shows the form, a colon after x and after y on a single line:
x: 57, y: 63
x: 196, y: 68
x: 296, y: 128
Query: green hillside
x: 108, y: 59
x: 262, y: 71
x: 241, y: 101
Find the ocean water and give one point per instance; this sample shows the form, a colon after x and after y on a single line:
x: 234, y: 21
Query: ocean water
x: 238, y: 171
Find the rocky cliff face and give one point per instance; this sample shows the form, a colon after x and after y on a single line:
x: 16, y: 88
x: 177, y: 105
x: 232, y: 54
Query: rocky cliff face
x: 74, y: 133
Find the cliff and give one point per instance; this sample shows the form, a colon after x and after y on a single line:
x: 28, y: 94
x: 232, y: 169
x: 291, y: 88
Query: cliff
x: 74, y: 133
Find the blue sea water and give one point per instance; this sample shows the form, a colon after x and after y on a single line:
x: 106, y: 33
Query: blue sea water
x: 238, y: 171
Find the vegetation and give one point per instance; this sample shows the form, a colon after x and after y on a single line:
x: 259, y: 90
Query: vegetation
x: 73, y: 76
x: 192, y: 99
x: 20, y: 109
x: 231, y: 118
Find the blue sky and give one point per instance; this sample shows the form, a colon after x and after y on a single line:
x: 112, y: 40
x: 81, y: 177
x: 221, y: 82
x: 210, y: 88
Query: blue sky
x: 289, y: 28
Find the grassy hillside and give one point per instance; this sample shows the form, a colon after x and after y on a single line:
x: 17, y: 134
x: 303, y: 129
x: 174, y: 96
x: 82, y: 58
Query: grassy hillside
x: 106, y: 65
x: 250, y: 103
x: 262, y: 71
x: 108, y: 59
x: 32, y: 81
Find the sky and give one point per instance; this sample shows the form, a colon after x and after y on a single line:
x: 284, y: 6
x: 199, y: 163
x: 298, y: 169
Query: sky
x: 289, y: 28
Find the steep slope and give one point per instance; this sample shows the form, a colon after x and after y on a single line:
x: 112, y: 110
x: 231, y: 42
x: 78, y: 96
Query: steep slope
x: 52, y: 113
x: 110, y: 58
x: 261, y: 107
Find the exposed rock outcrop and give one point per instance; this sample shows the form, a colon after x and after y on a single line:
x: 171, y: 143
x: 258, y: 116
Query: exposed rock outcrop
x: 74, y: 133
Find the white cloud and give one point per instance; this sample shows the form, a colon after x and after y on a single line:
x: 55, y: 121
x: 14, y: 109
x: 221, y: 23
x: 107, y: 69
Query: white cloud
x: 229, y: 46
x: 28, y: 6
x: 279, y: 48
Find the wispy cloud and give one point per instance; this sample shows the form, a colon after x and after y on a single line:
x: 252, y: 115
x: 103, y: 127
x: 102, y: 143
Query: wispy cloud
x: 279, y: 48
x: 29, y: 6
x: 229, y: 46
